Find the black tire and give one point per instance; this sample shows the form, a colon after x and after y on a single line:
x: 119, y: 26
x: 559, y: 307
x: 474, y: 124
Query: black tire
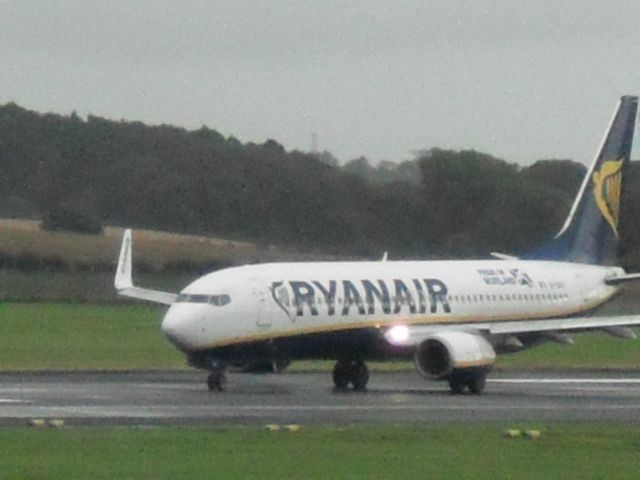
x: 215, y: 381
x: 476, y: 383
x: 341, y: 375
x: 456, y: 385
x: 359, y: 376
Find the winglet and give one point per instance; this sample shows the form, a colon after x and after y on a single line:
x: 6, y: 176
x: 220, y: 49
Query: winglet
x: 123, y: 273
x: 124, y: 281
x: 384, y: 256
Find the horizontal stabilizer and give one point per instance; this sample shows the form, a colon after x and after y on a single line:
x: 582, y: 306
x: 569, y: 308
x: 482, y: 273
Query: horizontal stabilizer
x: 632, y: 277
x: 124, y: 280
x: 503, y: 256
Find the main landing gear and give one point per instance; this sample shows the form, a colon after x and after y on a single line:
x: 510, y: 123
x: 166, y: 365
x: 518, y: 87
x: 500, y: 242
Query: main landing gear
x: 217, y: 378
x: 351, y: 372
x: 473, y: 380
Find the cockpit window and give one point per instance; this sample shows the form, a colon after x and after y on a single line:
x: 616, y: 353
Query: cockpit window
x: 217, y: 300
x: 199, y: 299
x: 182, y: 297
x: 220, y: 300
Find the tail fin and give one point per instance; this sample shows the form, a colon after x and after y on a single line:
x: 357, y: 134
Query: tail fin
x: 590, y: 233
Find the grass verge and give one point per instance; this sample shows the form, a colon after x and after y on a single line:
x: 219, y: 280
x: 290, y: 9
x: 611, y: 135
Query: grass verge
x: 76, y: 336
x: 38, y: 336
x: 562, y: 451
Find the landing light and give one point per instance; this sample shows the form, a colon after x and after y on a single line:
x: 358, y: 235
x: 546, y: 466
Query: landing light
x: 398, y: 334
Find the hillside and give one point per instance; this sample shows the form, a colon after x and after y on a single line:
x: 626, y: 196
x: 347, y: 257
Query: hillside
x: 440, y: 204
x: 37, y: 265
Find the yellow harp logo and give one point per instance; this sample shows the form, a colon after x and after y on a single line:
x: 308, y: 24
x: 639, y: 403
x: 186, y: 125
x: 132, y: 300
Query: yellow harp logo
x: 606, y: 189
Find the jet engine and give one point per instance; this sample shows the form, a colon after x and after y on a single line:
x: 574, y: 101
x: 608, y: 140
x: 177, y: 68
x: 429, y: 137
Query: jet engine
x: 452, y: 354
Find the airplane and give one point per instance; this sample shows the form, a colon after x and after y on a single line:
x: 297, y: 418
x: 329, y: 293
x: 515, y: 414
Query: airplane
x: 452, y: 317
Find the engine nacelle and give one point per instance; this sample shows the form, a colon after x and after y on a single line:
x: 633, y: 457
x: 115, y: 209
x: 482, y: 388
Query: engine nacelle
x: 440, y: 355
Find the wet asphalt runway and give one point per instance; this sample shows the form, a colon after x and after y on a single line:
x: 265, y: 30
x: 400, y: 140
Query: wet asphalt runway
x: 181, y: 398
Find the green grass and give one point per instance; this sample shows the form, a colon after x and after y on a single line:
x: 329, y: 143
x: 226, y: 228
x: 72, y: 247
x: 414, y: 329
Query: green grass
x: 592, y: 451
x: 79, y: 336
x: 591, y: 350
x: 75, y: 336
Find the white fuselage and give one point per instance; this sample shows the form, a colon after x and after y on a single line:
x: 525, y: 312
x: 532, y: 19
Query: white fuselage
x: 269, y: 301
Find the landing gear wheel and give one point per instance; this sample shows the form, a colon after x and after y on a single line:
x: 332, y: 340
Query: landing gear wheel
x: 476, y: 383
x: 341, y: 375
x: 359, y: 376
x: 456, y: 385
x: 350, y: 372
x: 215, y: 381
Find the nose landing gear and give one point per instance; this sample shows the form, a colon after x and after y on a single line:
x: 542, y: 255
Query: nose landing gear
x: 216, y: 381
x: 350, y: 372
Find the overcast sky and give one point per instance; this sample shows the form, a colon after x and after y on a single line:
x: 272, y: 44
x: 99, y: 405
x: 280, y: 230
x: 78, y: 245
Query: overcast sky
x: 522, y: 80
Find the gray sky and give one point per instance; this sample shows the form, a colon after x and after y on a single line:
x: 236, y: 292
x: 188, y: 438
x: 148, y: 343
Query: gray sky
x: 522, y: 80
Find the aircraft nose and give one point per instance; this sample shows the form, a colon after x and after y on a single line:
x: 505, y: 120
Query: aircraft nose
x: 175, y: 325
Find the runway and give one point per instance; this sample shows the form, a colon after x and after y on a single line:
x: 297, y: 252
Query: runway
x: 181, y: 398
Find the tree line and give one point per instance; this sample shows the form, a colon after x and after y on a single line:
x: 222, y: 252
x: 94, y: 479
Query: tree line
x: 441, y: 203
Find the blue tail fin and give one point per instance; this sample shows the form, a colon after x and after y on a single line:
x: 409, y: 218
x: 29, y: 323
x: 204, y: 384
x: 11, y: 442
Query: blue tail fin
x: 590, y: 233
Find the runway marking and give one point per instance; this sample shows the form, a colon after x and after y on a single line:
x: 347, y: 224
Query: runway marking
x: 601, y: 381
x: 11, y: 401
x: 198, y: 411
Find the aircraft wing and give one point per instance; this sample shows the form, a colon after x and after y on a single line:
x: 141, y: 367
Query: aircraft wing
x: 124, y: 281
x: 617, y: 325
x: 154, y: 296
x: 564, y: 324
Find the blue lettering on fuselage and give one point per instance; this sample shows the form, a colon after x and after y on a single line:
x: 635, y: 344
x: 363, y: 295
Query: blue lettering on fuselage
x: 366, y: 297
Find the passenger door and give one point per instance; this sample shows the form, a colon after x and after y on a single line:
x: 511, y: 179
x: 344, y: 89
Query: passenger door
x: 259, y: 292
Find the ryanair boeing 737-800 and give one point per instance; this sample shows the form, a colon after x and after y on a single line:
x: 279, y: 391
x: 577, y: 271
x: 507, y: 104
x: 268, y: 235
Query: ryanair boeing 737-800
x: 451, y: 317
